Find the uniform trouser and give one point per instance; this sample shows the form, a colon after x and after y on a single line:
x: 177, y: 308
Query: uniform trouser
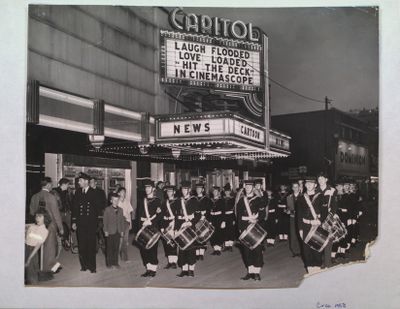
x: 230, y: 229
x: 294, y: 243
x: 124, y: 244
x: 187, y: 256
x: 112, y: 247
x: 168, y: 249
x: 31, y: 271
x: 283, y: 223
x: 327, y: 254
x: 217, y: 238
x: 87, y: 246
x: 311, y: 258
x: 149, y: 256
x: 253, y: 257
x: 50, y: 248
x: 271, y: 227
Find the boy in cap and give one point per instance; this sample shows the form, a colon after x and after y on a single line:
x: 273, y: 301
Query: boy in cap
x: 217, y: 220
x: 250, y: 209
x: 204, y: 209
x: 230, y: 227
x: 168, y: 209
x: 187, y: 215
x: 84, y: 219
x: 310, y: 210
x: 282, y: 214
x: 149, y: 214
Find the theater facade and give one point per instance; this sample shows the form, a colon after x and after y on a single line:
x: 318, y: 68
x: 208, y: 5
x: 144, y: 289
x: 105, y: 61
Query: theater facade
x: 127, y: 93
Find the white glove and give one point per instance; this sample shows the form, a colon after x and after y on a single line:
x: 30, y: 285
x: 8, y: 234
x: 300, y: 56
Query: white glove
x: 349, y: 222
x: 187, y: 223
x: 315, y: 222
x: 171, y: 223
x: 147, y: 222
x: 223, y: 225
x: 253, y: 220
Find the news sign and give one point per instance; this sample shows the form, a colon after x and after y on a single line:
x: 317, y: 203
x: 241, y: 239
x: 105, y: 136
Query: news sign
x: 210, y: 62
x: 351, y: 159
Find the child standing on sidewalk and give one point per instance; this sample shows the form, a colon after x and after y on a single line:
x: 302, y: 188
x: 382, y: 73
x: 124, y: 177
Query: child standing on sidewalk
x: 114, y: 225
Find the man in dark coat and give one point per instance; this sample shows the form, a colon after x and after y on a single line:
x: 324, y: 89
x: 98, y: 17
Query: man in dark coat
x: 294, y: 244
x: 44, y: 199
x: 85, y: 215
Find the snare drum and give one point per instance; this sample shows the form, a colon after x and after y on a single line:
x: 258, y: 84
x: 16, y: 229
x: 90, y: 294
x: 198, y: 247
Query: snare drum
x: 148, y: 236
x: 252, y: 236
x: 204, y: 230
x: 169, y: 235
x: 335, y: 227
x: 317, y: 238
x: 185, y: 237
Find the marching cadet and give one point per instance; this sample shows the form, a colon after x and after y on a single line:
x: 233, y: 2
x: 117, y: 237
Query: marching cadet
x: 309, y: 216
x: 250, y: 209
x: 355, y: 212
x: 294, y: 244
x: 167, y: 222
x: 204, y: 209
x: 270, y: 224
x: 187, y: 215
x: 85, y: 216
x: 149, y: 214
x: 217, y: 220
x: 282, y: 214
x: 230, y: 228
x: 329, y: 206
x: 342, y: 213
x: 347, y: 205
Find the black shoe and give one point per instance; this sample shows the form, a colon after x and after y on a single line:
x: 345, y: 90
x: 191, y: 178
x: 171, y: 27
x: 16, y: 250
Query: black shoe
x: 174, y: 266
x: 168, y: 266
x: 230, y: 249
x: 183, y: 273
x: 93, y: 271
x: 216, y: 252
x: 83, y: 269
x: 146, y: 274
x: 257, y: 277
x: 247, y: 277
x: 191, y: 273
x: 198, y: 257
x: 201, y: 257
x: 152, y: 273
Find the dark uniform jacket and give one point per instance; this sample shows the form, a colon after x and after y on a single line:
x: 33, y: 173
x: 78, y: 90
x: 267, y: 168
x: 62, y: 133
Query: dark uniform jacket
x: 205, y: 205
x: 291, y: 201
x: 229, y: 205
x: 166, y: 216
x: 328, y: 206
x: 304, y: 214
x: 85, y: 209
x: 154, y: 209
x: 192, y: 209
x: 257, y: 209
x: 62, y: 199
x: 217, y: 215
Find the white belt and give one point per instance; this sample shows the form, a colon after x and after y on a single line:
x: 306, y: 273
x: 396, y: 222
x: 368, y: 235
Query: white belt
x: 247, y: 218
x: 203, y: 212
x: 306, y: 221
x: 282, y: 206
x: 144, y: 219
x: 343, y: 210
x: 169, y: 218
x: 271, y: 210
x: 229, y: 212
x: 216, y: 213
x: 188, y: 217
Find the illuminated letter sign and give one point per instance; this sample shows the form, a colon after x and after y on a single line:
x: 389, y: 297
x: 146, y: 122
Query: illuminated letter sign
x: 204, y: 61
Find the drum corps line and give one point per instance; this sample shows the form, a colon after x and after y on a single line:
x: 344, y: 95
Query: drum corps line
x: 320, y: 222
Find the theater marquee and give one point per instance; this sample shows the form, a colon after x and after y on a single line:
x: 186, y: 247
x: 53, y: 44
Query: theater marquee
x: 212, y: 62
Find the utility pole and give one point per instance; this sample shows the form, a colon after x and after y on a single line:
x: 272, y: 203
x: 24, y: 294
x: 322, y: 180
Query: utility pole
x: 328, y: 168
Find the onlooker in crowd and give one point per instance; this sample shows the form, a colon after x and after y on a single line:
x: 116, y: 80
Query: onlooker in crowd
x: 128, y: 213
x: 114, y: 226
x: 44, y: 199
x: 35, y: 237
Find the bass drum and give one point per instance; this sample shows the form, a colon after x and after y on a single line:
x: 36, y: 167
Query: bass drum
x: 148, y: 236
x: 252, y: 236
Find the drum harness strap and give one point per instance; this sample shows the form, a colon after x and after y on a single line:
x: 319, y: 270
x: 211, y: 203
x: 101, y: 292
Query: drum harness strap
x: 146, y: 211
x: 185, y: 215
x: 171, y: 215
x: 249, y: 213
x: 313, y: 213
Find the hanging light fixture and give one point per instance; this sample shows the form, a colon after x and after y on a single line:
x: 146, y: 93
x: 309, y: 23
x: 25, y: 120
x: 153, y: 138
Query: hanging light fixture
x: 176, y: 152
x: 96, y: 140
x: 144, y: 150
